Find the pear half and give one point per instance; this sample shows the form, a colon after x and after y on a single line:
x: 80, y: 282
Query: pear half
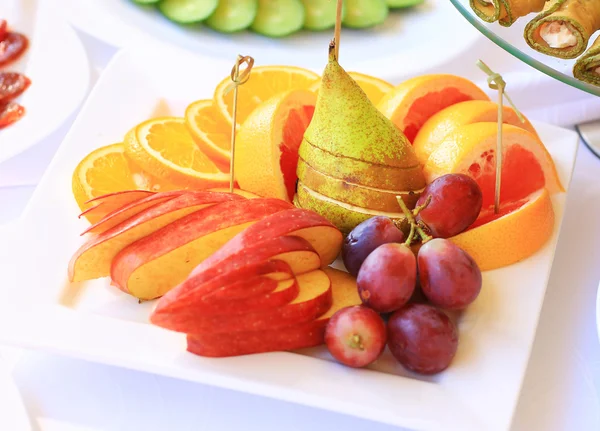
x: 353, y: 161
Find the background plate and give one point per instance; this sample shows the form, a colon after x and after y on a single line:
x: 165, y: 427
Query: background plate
x: 97, y: 322
x: 403, y: 46
x: 57, y: 65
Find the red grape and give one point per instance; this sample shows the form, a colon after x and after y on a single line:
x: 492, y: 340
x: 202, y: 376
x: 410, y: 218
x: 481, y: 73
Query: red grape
x: 422, y: 338
x: 356, y: 336
x: 387, y: 277
x: 455, y: 204
x: 449, y: 277
x: 365, y: 238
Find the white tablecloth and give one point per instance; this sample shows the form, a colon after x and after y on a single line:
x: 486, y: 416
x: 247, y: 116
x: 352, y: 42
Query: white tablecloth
x: 562, y: 386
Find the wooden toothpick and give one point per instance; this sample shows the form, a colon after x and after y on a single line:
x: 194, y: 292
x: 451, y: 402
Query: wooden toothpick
x: 338, y: 28
x: 496, y: 82
x: 237, y: 78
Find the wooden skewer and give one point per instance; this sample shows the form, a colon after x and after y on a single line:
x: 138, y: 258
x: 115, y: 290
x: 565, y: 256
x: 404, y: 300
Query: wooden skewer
x: 338, y: 28
x: 237, y: 79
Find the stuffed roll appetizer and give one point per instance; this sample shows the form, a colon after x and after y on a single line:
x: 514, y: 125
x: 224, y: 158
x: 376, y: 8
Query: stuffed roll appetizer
x: 587, y: 67
x: 505, y: 11
x: 564, y: 28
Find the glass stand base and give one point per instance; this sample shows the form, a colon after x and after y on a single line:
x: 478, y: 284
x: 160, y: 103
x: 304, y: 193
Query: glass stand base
x: 590, y: 134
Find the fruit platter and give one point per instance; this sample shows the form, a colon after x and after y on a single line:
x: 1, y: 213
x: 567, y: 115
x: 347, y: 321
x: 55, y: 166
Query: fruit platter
x: 359, y: 251
x: 378, y: 50
x: 557, y: 37
x: 33, y: 39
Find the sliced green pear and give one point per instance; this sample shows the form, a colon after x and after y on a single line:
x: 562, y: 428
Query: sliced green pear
x: 344, y: 216
x: 362, y: 196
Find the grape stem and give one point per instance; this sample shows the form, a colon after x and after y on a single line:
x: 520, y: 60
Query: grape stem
x: 414, y: 226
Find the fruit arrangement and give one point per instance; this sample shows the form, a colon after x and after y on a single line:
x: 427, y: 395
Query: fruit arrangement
x: 12, y: 84
x: 276, y: 18
x: 396, y: 181
x: 561, y: 28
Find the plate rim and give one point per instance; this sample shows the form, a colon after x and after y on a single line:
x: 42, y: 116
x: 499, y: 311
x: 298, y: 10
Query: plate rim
x: 32, y: 339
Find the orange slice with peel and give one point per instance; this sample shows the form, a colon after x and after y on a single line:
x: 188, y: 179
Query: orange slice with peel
x: 410, y: 104
x: 470, y: 149
x: 373, y: 87
x: 264, y: 83
x: 165, y: 147
x: 451, y: 118
x: 520, y: 229
x: 267, y: 144
x: 210, y: 131
x: 104, y: 171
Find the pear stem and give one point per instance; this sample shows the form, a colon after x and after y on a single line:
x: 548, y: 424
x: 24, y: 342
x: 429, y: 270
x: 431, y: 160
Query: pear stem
x: 338, y: 28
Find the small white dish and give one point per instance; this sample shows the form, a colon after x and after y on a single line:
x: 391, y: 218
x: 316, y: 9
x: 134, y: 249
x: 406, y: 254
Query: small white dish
x: 57, y: 65
x: 92, y: 320
x: 408, y: 43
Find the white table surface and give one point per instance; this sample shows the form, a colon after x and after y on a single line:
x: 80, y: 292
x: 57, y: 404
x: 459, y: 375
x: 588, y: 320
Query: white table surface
x: 561, y: 389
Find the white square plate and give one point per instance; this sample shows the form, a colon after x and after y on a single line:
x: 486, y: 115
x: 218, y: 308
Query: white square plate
x: 57, y: 65
x: 94, y: 321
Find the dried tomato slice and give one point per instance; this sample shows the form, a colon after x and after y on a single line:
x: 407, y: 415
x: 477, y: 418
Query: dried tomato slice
x: 10, y: 112
x: 12, y: 46
x: 12, y: 85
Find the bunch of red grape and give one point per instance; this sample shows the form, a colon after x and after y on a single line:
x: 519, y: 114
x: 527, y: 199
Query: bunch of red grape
x: 390, y: 278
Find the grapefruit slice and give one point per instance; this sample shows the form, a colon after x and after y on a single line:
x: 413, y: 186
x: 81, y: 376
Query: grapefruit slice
x: 520, y: 229
x: 470, y: 150
x: 373, y: 87
x: 410, y: 104
x: 451, y: 118
x: 267, y: 144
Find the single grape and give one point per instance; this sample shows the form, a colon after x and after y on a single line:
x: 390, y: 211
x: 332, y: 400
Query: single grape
x: 320, y: 15
x: 422, y: 338
x: 449, y: 277
x: 365, y: 238
x: 278, y: 18
x: 455, y: 204
x: 365, y: 13
x: 387, y: 277
x: 356, y: 336
x: 233, y: 15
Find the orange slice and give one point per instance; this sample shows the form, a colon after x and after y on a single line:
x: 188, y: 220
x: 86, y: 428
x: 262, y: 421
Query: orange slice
x: 410, y: 104
x: 520, y: 229
x: 267, y: 144
x: 449, y: 119
x: 264, y: 83
x: 165, y: 147
x: 527, y: 165
x: 210, y: 131
x: 104, y: 171
x: 373, y: 87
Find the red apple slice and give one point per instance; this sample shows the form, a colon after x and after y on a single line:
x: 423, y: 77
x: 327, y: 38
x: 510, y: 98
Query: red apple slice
x: 313, y: 300
x: 152, y: 266
x: 309, y: 334
x: 120, y: 214
x: 94, y: 258
x: 105, y: 204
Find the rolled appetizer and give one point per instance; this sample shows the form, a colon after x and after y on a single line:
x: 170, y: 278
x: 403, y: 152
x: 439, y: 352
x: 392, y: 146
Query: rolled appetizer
x: 505, y: 11
x: 564, y: 27
x: 587, y: 67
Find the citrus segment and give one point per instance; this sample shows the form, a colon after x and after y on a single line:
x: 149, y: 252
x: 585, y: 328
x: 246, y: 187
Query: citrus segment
x: 527, y: 165
x: 373, y: 87
x: 210, y: 131
x: 104, y: 171
x: 410, y: 104
x: 520, y: 230
x: 165, y: 147
x: 447, y: 120
x: 268, y: 141
x: 264, y: 83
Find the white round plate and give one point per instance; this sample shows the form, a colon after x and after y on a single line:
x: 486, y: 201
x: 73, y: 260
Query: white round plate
x: 590, y: 135
x: 408, y: 43
x: 57, y: 65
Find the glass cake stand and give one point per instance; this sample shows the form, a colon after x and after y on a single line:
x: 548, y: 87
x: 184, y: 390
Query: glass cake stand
x: 511, y: 39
